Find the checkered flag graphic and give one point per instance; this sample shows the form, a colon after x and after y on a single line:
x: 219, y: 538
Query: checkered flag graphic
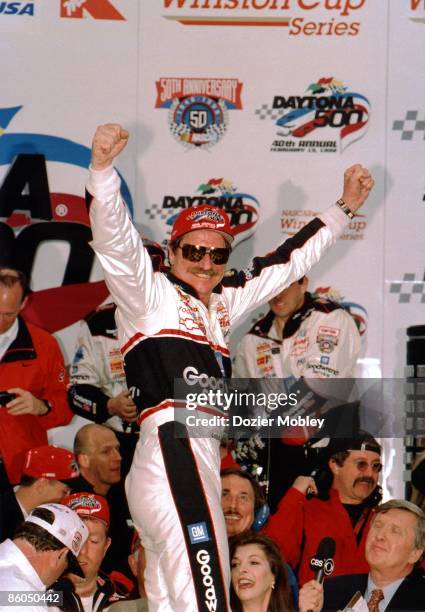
x: 409, y: 287
x: 267, y: 112
x: 156, y: 211
x: 409, y: 125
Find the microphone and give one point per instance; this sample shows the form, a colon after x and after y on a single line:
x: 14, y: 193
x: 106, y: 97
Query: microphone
x: 310, y: 493
x: 322, y: 563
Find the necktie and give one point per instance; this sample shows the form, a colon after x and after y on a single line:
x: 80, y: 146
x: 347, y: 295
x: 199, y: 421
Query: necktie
x: 373, y: 603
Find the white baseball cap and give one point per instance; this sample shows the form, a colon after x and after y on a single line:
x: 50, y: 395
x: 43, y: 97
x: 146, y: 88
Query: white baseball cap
x: 68, y: 528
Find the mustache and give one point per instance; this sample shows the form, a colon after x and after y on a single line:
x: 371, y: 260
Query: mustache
x: 366, y: 479
x: 209, y: 272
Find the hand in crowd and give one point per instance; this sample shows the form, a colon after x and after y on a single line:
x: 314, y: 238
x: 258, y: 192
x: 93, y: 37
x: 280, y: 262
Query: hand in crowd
x: 358, y: 183
x: 25, y: 403
x: 305, y: 484
x: 311, y: 597
x: 108, y: 142
x: 123, y: 406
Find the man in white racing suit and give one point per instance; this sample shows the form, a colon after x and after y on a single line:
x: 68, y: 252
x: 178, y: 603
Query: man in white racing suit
x: 302, y: 335
x: 176, y: 326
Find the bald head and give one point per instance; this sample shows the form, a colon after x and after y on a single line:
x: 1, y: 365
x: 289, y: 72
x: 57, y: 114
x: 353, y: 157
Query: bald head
x: 96, y: 448
x: 85, y: 439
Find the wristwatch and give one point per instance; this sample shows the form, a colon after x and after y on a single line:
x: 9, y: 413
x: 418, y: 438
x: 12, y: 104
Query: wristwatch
x: 343, y: 206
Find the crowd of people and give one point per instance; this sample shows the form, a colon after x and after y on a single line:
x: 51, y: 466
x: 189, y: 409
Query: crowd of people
x: 140, y: 515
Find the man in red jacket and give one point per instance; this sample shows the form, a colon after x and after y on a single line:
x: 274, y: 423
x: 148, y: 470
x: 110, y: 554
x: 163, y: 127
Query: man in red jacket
x: 343, y: 512
x: 33, y: 370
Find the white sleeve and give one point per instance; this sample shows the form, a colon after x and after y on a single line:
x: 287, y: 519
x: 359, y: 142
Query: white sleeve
x: 126, y: 263
x: 290, y: 261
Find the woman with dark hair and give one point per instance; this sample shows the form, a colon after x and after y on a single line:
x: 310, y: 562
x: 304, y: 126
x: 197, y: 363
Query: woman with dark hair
x: 259, y: 577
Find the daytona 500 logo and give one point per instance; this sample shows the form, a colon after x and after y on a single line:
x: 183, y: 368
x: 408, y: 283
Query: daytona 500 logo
x: 328, y: 117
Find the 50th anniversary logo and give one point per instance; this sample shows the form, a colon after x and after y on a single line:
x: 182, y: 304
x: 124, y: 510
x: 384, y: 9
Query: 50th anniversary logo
x: 198, y: 108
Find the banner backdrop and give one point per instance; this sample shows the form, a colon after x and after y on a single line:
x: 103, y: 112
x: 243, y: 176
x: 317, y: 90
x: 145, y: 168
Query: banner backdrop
x: 257, y: 106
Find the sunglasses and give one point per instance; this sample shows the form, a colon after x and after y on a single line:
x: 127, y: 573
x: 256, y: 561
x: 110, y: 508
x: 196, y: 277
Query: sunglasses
x: 362, y: 465
x: 194, y: 253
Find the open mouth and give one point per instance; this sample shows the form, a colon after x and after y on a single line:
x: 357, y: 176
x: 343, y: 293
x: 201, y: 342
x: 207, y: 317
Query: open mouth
x: 245, y: 583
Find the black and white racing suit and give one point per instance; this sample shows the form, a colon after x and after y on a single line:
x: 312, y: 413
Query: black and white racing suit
x: 167, y: 333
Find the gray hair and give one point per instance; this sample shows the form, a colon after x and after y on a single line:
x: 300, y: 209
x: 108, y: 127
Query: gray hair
x: 401, y: 504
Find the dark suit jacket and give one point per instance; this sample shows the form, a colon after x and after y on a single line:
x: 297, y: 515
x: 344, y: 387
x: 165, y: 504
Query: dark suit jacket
x: 409, y: 597
x: 10, y: 514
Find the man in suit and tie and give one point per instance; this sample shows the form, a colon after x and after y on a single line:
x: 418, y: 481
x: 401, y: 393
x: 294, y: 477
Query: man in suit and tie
x: 395, y: 546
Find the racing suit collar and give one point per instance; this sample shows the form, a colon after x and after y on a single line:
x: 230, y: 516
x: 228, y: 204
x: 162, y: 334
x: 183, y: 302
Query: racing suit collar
x: 263, y: 326
x: 188, y: 288
x: 22, y: 348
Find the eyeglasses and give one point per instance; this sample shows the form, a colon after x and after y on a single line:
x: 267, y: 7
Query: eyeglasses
x: 194, y: 253
x: 362, y: 465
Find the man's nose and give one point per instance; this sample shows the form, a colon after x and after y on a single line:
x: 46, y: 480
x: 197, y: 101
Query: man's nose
x: 380, y: 534
x: 232, y: 503
x: 368, y: 471
x: 206, y: 263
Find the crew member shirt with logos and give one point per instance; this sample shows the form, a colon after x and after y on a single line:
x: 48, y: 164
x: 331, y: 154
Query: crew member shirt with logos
x: 320, y: 340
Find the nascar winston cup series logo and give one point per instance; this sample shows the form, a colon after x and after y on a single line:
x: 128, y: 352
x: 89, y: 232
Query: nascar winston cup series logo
x: 198, y: 108
x: 326, y: 119
x: 242, y: 208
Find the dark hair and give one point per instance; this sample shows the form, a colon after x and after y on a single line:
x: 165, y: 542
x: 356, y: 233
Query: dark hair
x: 340, y: 457
x: 175, y: 244
x: 281, y: 596
x: 38, y: 537
x: 10, y: 277
x: 27, y: 481
x: 259, y: 499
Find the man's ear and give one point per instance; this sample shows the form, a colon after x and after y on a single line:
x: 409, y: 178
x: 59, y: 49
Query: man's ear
x: 63, y: 552
x: 333, y: 466
x: 171, y: 255
x: 107, y: 545
x: 83, y: 460
x: 24, y: 303
x: 415, y: 555
x: 40, y: 484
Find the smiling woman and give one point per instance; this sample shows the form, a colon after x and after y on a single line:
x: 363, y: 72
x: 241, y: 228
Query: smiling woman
x: 259, y: 576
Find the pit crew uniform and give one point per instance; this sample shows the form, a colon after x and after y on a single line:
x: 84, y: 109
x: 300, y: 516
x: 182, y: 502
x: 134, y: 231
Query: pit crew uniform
x: 106, y: 593
x: 97, y: 374
x: 167, y: 333
x: 320, y: 340
x: 32, y: 362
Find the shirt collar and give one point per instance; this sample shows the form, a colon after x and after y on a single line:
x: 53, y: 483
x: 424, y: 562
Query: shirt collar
x: 8, y: 337
x: 388, y: 590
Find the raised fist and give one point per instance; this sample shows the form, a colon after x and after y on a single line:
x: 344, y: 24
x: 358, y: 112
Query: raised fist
x: 108, y: 142
x: 358, y: 183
